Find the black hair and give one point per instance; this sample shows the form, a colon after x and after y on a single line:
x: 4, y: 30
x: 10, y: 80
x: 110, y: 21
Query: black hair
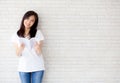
x: 33, y: 28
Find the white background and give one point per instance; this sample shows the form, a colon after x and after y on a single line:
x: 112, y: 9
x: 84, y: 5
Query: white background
x: 82, y: 39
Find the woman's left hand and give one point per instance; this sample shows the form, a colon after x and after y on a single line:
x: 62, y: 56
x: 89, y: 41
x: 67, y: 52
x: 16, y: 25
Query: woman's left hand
x: 37, y: 48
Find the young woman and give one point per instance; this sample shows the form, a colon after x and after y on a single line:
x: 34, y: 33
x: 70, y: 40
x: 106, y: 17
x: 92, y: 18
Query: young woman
x: 28, y: 44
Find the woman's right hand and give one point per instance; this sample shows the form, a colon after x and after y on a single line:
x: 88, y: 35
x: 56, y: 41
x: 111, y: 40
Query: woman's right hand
x: 21, y: 47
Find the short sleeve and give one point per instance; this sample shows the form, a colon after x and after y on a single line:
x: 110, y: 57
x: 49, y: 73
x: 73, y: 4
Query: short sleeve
x: 14, y: 38
x: 39, y: 35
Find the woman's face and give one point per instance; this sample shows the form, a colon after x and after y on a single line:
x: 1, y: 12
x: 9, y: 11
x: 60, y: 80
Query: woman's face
x: 28, y: 22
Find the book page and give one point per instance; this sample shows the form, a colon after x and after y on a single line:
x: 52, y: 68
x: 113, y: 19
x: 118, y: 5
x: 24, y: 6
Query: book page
x: 29, y: 43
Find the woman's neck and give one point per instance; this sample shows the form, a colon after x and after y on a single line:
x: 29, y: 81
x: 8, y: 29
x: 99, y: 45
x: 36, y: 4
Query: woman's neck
x: 26, y: 34
x: 27, y: 31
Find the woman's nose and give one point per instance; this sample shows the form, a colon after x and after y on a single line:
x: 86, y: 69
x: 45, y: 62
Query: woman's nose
x: 28, y: 22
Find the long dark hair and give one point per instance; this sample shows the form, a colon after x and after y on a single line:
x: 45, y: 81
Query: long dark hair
x: 33, y: 29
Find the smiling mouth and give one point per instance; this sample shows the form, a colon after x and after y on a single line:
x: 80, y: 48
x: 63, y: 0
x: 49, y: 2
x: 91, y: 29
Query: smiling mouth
x: 28, y: 25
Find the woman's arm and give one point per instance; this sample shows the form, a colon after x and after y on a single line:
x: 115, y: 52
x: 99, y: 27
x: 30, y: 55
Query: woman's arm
x: 38, y: 47
x: 19, y: 49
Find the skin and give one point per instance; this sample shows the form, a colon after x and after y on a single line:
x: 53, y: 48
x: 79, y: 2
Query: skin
x: 38, y: 45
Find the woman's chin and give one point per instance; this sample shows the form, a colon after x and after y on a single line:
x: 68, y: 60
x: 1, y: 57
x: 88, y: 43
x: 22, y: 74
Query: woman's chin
x: 27, y: 27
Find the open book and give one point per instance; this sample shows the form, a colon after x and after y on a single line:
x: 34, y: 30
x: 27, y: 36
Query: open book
x: 29, y: 43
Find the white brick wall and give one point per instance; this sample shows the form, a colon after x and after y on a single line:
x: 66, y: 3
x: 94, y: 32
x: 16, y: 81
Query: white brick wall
x: 82, y: 39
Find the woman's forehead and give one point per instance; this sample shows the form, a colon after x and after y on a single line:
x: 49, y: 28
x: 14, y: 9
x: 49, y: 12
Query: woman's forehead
x: 31, y: 17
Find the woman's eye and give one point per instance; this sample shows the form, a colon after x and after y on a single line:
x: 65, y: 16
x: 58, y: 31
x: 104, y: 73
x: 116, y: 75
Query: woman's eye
x: 32, y: 20
x: 27, y: 18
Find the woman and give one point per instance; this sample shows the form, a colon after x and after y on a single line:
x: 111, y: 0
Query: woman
x: 28, y: 44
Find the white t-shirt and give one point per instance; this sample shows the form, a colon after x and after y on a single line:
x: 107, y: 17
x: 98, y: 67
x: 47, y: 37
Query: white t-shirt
x: 29, y: 60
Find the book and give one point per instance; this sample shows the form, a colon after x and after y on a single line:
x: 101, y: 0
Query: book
x: 29, y: 43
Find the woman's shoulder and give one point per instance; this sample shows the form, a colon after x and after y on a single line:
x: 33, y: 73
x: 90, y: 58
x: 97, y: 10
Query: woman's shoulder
x: 38, y: 32
x: 39, y: 35
x: 15, y: 35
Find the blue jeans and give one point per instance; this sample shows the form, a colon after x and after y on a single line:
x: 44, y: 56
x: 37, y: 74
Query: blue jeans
x: 31, y: 77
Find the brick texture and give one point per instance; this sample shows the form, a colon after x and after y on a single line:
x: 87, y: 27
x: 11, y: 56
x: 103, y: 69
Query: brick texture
x: 82, y: 39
